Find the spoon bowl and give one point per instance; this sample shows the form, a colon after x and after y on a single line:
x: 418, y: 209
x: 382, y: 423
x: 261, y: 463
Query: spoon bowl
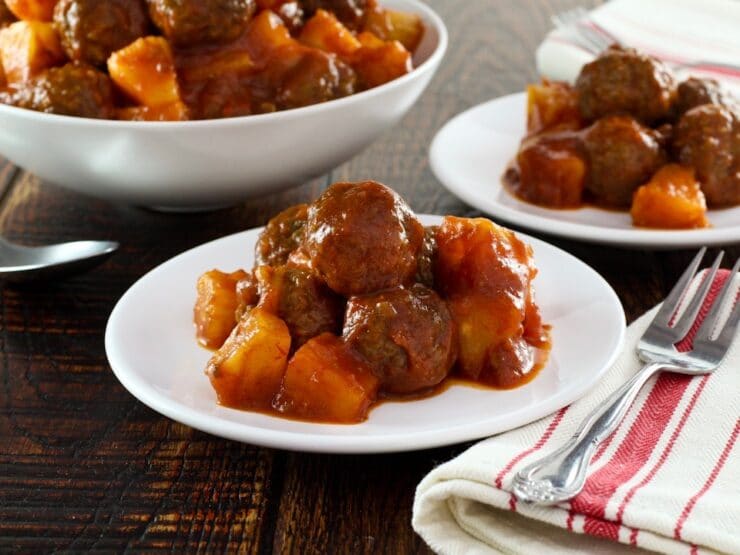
x: 22, y: 263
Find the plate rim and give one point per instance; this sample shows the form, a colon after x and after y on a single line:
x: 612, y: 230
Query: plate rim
x: 319, y: 443
x: 588, y: 233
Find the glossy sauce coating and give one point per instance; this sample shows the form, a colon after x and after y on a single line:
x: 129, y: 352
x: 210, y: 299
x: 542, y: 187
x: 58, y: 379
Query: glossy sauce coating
x: 362, y: 238
x: 199, y: 59
x: 70, y: 90
x: 90, y: 30
x: 463, y: 288
x: 601, y: 143
x: 406, y: 334
x: 484, y: 273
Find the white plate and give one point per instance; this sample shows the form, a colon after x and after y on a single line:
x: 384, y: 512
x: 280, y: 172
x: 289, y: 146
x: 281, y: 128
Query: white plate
x: 471, y: 152
x: 151, y: 346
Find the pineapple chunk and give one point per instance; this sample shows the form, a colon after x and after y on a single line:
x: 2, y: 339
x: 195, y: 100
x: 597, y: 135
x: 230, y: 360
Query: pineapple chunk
x: 200, y: 66
x: 552, y: 171
x: 325, y: 32
x: 325, y: 381
x: 672, y: 199
x: 265, y: 34
x: 247, y: 370
x: 32, y: 10
x: 27, y: 48
x: 378, y: 62
x: 552, y: 106
x: 145, y: 71
x: 389, y: 25
x: 216, y: 304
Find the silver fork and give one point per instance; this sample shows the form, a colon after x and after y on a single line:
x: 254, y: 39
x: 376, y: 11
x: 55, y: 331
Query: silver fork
x: 561, y: 475
x: 594, y: 39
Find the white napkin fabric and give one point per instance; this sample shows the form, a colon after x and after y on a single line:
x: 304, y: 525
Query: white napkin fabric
x: 675, y: 31
x: 667, y: 480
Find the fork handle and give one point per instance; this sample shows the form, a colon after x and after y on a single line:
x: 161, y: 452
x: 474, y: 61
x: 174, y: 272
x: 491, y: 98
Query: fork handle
x: 561, y: 475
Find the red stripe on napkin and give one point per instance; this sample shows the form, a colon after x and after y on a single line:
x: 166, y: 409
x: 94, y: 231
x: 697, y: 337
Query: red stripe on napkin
x: 637, y: 446
x: 540, y: 443
x: 666, y: 451
x: 710, y: 480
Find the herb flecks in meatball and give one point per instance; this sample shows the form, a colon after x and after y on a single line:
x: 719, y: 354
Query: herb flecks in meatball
x: 90, y: 30
x: 189, y: 22
x: 302, y: 300
x: 406, y: 334
x: 623, y: 154
x: 707, y: 138
x: 362, y: 237
x: 623, y: 81
x: 70, y: 90
x: 281, y: 236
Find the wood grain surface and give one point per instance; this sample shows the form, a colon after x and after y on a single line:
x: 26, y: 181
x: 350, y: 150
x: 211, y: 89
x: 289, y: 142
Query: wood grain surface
x: 84, y: 466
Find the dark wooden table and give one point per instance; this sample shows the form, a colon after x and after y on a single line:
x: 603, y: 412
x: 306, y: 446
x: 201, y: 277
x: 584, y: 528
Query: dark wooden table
x: 85, y: 466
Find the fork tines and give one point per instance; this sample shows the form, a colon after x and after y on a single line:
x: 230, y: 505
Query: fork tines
x: 679, y: 326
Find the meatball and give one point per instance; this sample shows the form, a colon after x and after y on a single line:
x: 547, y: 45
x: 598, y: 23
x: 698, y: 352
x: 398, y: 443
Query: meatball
x: 70, y: 90
x: 362, y: 237
x: 425, y: 265
x: 622, y: 155
x: 349, y: 12
x: 282, y: 235
x: 302, y: 300
x: 317, y: 77
x: 707, y: 138
x: 188, y: 22
x: 622, y: 81
x: 694, y: 92
x: 406, y: 335
x: 91, y: 30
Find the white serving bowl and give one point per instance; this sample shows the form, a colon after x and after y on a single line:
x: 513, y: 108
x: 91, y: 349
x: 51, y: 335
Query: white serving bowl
x: 195, y: 164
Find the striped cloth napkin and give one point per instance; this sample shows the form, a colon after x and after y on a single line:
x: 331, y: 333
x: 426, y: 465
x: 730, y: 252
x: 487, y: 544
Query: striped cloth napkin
x: 705, y: 35
x: 667, y: 480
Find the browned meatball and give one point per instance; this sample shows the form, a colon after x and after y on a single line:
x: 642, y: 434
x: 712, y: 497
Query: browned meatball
x: 362, y: 237
x: 189, y: 22
x: 70, y: 90
x: 406, y: 335
x: 349, y: 12
x: 425, y: 266
x: 281, y: 236
x: 6, y: 16
x: 623, y: 81
x: 622, y: 156
x: 302, y: 300
x: 694, y: 92
x: 90, y: 30
x: 707, y: 138
x: 317, y: 77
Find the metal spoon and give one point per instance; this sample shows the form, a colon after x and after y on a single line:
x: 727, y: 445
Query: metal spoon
x: 21, y: 263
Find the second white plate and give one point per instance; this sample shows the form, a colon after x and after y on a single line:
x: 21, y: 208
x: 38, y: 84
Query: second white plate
x: 471, y: 152
x: 151, y: 346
